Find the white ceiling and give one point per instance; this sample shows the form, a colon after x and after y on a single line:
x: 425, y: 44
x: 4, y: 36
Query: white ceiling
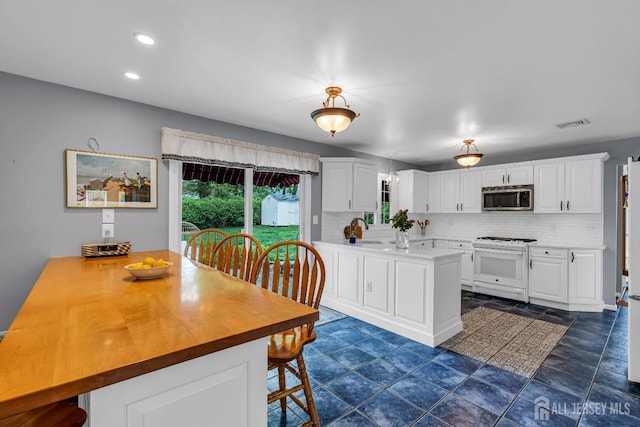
x: 423, y: 74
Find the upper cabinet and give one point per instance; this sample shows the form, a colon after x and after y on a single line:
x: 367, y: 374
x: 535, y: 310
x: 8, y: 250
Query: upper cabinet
x: 348, y: 185
x: 514, y: 175
x: 460, y: 191
x: 413, y: 191
x: 571, y: 186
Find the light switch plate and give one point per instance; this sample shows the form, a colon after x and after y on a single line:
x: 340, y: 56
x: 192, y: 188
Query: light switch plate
x: 108, y: 216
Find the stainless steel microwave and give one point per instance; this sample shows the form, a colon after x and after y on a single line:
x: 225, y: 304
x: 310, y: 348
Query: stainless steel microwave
x: 515, y: 198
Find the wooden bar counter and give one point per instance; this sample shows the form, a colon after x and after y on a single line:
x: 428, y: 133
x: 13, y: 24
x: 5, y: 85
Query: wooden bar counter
x: 88, y: 324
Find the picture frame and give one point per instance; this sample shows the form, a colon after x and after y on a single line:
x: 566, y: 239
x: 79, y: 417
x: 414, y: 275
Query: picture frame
x: 106, y: 180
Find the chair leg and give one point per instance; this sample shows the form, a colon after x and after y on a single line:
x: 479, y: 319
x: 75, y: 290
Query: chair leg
x: 302, y: 369
x: 282, y: 382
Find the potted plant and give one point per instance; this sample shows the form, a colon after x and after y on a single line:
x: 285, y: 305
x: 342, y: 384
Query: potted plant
x: 401, y: 222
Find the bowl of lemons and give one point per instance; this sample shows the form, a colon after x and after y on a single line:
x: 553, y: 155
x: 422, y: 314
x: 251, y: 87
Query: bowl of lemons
x: 149, y: 268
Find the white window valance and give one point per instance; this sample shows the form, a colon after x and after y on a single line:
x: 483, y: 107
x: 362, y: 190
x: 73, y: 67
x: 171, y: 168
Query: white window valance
x: 214, y: 150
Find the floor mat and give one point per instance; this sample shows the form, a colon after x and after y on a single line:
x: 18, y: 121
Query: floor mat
x: 515, y: 343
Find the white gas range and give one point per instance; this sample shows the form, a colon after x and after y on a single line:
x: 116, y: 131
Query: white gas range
x: 500, y: 267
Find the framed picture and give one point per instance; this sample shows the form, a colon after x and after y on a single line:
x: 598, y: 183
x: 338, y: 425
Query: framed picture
x: 104, y: 180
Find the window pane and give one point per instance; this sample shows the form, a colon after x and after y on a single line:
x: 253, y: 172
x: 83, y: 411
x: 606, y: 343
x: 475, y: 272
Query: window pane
x: 385, y: 196
x: 276, y: 213
x: 213, y: 205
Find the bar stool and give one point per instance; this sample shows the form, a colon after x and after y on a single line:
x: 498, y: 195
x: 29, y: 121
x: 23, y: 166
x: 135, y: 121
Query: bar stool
x: 53, y: 415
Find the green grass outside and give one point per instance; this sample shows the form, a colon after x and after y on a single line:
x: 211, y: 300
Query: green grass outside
x: 268, y: 235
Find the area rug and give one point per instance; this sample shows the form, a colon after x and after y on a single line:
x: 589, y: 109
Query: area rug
x: 515, y: 343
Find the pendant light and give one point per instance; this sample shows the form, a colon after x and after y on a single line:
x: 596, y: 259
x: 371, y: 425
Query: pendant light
x: 331, y: 118
x: 392, y: 178
x: 468, y: 159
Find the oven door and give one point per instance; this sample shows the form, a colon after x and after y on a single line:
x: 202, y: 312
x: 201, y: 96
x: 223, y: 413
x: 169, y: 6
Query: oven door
x: 501, y: 267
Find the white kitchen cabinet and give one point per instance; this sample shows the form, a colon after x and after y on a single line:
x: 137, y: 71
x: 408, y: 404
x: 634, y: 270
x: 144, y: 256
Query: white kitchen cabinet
x: 434, y: 195
x: 414, y: 293
x: 571, y: 186
x: 513, y: 175
x: 378, y: 277
x: 348, y: 274
x: 441, y: 244
x: 413, y: 191
x: 461, y: 192
x: 348, y: 185
x: 547, y: 275
x: 466, y: 272
x: 585, y: 279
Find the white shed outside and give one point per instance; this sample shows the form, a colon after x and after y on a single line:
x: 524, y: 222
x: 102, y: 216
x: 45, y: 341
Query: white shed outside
x: 281, y: 209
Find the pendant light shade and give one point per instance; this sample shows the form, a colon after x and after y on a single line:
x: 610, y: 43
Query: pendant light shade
x: 331, y: 118
x: 468, y: 159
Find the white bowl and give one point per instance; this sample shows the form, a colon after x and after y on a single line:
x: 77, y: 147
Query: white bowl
x: 148, y: 273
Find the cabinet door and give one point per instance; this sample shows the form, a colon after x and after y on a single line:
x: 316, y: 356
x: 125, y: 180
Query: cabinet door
x: 349, y: 279
x: 413, y: 191
x: 410, y: 292
x: 450, y: 192
x: 434, y: 194
x: 365, y: 184
x: 583, y: 192
x: 466, y: 273
x: 549, y: 188
x: 494, y: 178
x: 548, y: 278
x: 585, y: 277
x: 337, y: 187
x: 520, y: 175
x: 470, y: 192
x: 377, y: 271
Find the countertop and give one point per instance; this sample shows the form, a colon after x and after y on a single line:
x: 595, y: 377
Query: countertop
x: 415, y: 250
x: 87, y: 324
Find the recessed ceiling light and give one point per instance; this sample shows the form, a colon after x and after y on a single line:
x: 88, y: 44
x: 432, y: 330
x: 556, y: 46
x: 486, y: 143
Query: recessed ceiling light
x: 144, y: 39
x: 132, y: 76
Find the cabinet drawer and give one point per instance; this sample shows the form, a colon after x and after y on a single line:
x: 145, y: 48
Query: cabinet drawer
x: 456, y: 244
x: 547, y: 252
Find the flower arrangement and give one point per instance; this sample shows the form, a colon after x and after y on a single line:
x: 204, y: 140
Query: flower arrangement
x: 401, y: 220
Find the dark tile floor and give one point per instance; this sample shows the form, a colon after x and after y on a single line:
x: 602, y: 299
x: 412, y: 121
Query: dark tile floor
x: 365, y: 376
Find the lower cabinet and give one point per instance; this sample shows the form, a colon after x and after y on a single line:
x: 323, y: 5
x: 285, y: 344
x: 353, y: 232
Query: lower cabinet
x: 417, y: 297
x: 548, y: 274
x: 568, y: 279
x: 466, y: 276
x: 585, y: 278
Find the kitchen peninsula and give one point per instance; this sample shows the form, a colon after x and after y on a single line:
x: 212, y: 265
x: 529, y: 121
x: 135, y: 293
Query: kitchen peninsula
x: 182, y: 349
x: 413, y: 292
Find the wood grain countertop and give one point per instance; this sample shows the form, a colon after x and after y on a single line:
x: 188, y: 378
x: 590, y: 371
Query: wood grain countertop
x: 87, y: 324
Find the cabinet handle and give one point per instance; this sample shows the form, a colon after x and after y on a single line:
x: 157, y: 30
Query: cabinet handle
x: 572, y: 257
x: 560, y: 204
x: 567, y: 205
x: 461, y: 207
x: 503, y: 179
x: 457, y: 206
x: 471, y: 256
x: 427, y: 207
x: 530, y: 264
x: 349, y: 204
x: 433, y: 244
x: 508, y: 179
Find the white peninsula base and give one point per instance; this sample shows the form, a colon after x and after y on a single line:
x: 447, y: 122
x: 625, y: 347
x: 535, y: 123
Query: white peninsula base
x: 414, y: 292
x: 226, y: 388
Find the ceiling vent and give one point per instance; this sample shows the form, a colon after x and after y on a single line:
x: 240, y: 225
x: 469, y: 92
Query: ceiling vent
x: 572, y: 123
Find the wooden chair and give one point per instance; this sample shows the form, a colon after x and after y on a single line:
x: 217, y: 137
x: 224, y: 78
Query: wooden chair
x: 188, y: 230
x: 295, y: 270
x: 54, y: 415
x: 236, y: 254
x: 200, y: 246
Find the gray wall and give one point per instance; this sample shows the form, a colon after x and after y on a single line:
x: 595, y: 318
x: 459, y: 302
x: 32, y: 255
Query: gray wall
x: 38, y: 121
x: 620, y: 151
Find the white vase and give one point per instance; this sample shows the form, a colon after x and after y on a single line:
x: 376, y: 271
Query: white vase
x: 402, y: 239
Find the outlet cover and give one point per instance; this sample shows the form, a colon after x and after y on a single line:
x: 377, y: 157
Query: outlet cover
x: 108, y: 231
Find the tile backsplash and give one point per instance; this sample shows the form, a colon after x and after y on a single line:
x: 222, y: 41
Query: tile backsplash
x: 577, y: 229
